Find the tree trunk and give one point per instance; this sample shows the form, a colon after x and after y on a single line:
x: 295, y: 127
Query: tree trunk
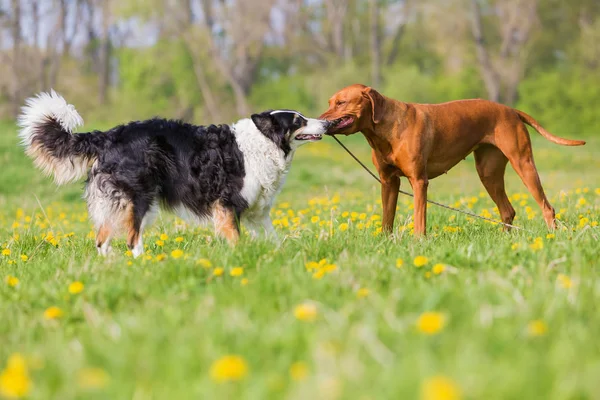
x: 375, y: 42
x: 16, y: 56
x: 489, y: 75
x: 104, y: 54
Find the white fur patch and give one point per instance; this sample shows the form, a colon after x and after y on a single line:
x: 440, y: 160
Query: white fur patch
x: 265, y: 164
x: 37, y: 112
x: 39, y: 109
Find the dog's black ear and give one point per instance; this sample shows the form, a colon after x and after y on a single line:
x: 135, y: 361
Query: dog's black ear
x: 270, y: 126
x: 265, y: 122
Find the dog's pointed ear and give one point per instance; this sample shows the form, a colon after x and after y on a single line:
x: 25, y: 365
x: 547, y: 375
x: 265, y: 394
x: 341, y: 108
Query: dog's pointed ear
x: 377, y: 103
x: 264, y: 121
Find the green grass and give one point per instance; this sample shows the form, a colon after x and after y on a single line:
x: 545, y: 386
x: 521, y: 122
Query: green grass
x: 154, y: 328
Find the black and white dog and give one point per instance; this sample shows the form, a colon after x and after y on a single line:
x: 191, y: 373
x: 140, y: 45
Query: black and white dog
x: 224, y: 173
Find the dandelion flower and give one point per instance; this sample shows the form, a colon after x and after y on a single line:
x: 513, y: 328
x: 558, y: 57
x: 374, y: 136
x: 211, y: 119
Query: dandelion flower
x: 298, y: 371
x: 161, y: 257
x: 537, y: 328
x: 12, y: 281
x: 53, y: 313
x: 218, y: 271
x: 164, y: 236
x: 14, y: 379
x: 550, y: 236
x: 160, y: 243
x: 314, y: 219
x: 440, y: 388
x: 6, y: 252
x: 92, y: 378
x: 237, y: 271
x: 229, y: 368
x: 564, y: 281
x: 438, y: 269
x: 177, y: 253
x: 76, y: 287
x: 343, y: 227
x: 244, y: 281
x: 178, y: 239
x: 431, y: 323
x: 399, y: 263
x: 420, y: 261
x: 204, y: 263
x: 362, y: 292
x: 306, y: 312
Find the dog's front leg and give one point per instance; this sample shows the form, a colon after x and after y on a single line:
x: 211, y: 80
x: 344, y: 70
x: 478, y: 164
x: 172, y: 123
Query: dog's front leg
x: 389, y: 199
x: 419, y: 186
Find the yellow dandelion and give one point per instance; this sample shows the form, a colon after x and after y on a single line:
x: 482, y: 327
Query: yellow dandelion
x: 537, y: 328
x: 14, y: 379
x: 53, y: 313
x: 178, y: 239
x: 550, y: 236
x: 312, y: 265
x: 164, y: 236
x: 343, y: 227
x: 11, y: 281
x: 177, y: 253
x: 362, y: 216
x: 564, y: 281
x: 204, y: 263
x: 160, y: 243
x: 92, y: 378
x: 218, y: 271
x: 244, y: 281
x: 362, y: 292
x: 431, y: 323
x: 298, y: 371
x: 161, y: 257
x: 306, y: 312
x: 420, y: 261
x: 6, y: 252
x: 438, y: 269
x: 319, y: 274
x: 440, y: 388
x: 581, y: 202
x: 314, y: 219
x: 399, y: 263
x: 76, y: 287
x: 229, y: 368
x: 237, y: 271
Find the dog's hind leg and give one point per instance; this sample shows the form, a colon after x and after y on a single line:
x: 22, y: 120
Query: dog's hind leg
x: 491, y: 165
x: 103, y: 238
x: 139, y: 215
x: 226, y: 223
x: 518, y: 151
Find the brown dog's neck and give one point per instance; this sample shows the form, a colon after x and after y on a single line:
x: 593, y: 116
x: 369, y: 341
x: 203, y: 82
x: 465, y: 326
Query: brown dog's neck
x: 394, y: 115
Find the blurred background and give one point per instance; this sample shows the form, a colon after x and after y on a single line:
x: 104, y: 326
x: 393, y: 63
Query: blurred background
x: 215, y: 60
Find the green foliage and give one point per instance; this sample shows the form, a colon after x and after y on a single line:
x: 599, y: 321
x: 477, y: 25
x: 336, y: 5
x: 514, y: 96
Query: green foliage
x: 565, y: 102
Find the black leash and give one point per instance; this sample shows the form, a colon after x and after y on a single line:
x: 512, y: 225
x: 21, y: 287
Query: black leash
x: 429, y: 201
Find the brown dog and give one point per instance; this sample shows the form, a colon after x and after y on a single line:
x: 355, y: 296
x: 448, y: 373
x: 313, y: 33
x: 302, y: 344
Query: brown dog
x: 423, y: 141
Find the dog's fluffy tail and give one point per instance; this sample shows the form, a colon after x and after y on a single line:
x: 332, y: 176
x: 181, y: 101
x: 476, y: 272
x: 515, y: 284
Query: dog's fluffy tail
x: 47, y: 123
x: 528, y: 119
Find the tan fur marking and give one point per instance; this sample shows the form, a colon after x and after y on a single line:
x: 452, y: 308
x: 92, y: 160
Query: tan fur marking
x: 225, y: 224
x: 103, y: 234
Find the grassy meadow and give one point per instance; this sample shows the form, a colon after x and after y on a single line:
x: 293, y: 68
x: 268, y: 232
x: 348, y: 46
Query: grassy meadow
x: 332, y: 310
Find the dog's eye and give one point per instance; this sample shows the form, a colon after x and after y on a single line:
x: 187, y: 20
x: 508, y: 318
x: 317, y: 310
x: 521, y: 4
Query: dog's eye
x: 339, y: 103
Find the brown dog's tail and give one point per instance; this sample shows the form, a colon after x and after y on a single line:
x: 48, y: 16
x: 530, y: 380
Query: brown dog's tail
x: 528, y: 119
